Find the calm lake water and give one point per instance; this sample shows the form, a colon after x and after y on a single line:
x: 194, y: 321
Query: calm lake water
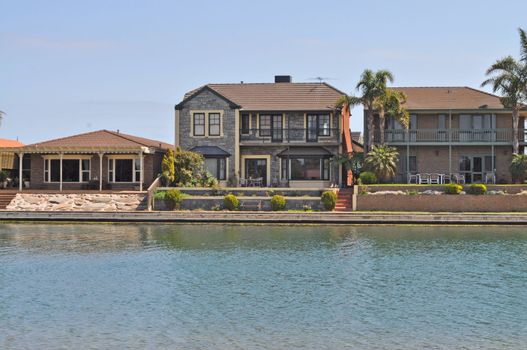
x: 262, y: 287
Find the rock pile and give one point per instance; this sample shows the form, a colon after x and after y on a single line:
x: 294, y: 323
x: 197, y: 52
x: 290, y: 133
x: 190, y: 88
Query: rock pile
x: 76, y: 202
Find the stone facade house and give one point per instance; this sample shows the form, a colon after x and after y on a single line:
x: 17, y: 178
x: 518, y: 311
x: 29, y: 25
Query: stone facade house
x: 453, y: 130
x: 95, y: 160
x: 280, y: 134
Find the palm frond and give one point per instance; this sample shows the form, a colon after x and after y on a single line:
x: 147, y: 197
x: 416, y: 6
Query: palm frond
x: 523, y: 47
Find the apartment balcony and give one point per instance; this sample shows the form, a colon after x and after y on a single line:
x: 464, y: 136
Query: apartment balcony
x: 451, y: 136
x: 326, y: 136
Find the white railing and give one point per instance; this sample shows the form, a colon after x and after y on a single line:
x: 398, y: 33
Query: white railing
x: 451, y: 135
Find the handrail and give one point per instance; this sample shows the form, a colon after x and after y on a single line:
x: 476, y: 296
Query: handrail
x: 150, y: 193
x: 287, y: 134
x: 451, y: 135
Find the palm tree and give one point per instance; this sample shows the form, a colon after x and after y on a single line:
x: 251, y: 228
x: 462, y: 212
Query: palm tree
x: 372, y: 85
x: 509, y: 77
x: 382, y: 160
x: 391, y: 103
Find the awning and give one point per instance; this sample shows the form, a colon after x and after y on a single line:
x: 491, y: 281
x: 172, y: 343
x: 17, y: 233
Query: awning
x: 210, y: 151
x: 308, y: 152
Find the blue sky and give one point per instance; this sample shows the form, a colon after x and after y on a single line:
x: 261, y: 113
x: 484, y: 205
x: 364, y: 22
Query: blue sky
x: 69, y: 66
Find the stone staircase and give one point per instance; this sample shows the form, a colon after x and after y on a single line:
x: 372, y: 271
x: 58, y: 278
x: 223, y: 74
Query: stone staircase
x: 344, y: 199
x: 6, y: 198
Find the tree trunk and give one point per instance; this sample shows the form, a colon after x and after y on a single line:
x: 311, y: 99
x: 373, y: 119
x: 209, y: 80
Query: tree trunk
x: 370, y: 128
x: 382, y: 122
x: 515, y: 122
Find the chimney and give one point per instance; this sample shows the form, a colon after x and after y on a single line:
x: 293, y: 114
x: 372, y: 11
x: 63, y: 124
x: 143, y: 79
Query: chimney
x: 283, y: 79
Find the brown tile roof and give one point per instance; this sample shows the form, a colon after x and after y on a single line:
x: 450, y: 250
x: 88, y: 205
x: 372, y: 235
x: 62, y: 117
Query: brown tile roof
x: 10, y: 143
x: 277, y: 96
x: 101, y: 138
x: 449, y: 98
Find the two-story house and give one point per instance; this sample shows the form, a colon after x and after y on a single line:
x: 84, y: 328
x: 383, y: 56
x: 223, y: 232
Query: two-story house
x: 453, y: 130
x: 283, y: 133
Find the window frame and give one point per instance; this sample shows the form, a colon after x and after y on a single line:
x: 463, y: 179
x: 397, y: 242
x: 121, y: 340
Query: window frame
x: 247, y: 129
x: 221, y: 168
x: 218, y: 124
x: 136, y: 169
x: 324, y: 169
x: 48, y: 172
x: 194, y: 123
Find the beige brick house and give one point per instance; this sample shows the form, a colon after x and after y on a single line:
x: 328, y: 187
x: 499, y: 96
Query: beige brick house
x: 453, y: 130
x: 95, y: 160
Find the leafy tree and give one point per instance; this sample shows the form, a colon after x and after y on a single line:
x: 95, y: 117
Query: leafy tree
x: 391, y: 103
x: 382, y: 160
x: 168, y: 170
x: 509, y: 77
x: 187, y: 167
x: 518, y: 167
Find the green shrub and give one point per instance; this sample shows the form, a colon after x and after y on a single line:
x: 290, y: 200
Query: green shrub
x: 159, y: 195
x: 367, y: 177
x: 230, y: 202
x: 477, y: 189
x: 453, y: 189
x: 277, y: 202
x: 172, y: 199
x: 329, y: 200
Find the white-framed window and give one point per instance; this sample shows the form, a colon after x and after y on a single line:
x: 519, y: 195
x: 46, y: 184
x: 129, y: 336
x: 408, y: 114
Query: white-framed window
x: 73, y: 169
x: 124, y: 169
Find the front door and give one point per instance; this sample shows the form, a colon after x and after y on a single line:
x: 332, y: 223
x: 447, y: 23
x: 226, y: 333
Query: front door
x: 256, y: 168
x: 477, y: 169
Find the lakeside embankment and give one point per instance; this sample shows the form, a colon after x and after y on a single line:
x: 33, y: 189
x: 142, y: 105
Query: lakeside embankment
x: 352, y: 218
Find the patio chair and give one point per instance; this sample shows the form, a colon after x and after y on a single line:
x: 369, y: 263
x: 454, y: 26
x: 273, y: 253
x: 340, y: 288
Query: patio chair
x: 459, y: 178
x: 243, y: 183
x: 424, y: 178
x: 434, y: 179
x: 446, y: 177
x: 258, y: 182
x: 412, y: 177
x: 489, y: 178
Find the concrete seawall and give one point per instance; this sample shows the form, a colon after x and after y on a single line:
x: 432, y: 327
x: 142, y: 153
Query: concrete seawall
x: 355, y: 218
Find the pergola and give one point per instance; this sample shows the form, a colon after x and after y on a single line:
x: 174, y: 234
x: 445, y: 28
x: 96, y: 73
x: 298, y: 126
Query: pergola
x: 99, y: 150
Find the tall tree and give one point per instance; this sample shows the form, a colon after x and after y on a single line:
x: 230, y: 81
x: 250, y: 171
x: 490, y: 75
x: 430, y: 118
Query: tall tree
x: 391, y: 103
x: 508, y: 77
x: 372, y: 85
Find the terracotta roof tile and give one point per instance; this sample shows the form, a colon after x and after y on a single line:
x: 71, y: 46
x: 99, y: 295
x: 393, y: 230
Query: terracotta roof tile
x: 448, y: 98
x: 278, y: 96
x: 102, y: 138
x: 10, y: 143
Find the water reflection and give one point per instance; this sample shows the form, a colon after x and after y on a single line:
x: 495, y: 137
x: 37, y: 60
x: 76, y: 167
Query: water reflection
x: 262, y: 286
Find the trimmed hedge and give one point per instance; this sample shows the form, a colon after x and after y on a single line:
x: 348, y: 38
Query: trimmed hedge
x: 477, y: 189
x: 278, y: 203
x: 453, y: 189
x: 329, y: 200
x: 230, y: 202
x: 368, y: 178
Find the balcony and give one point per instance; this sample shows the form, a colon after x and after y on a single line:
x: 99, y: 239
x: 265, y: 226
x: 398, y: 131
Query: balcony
x: 277, y: 136
x: 451, y: 136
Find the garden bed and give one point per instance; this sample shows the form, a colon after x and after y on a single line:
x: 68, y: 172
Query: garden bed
x: 251, y: 203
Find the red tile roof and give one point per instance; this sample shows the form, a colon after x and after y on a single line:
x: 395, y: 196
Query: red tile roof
x: 277, y: 96
x: 449, y: 98
x: 10, y: 143
x: 102, y: 138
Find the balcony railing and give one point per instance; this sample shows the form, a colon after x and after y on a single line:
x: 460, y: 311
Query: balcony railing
x: 285, y: 135
x: 451, y: 136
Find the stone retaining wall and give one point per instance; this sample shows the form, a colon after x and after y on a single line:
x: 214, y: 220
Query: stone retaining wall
x: 76, y: 202
x: 443, y: 203
x: 245, y: 203
x: 248, y: 191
